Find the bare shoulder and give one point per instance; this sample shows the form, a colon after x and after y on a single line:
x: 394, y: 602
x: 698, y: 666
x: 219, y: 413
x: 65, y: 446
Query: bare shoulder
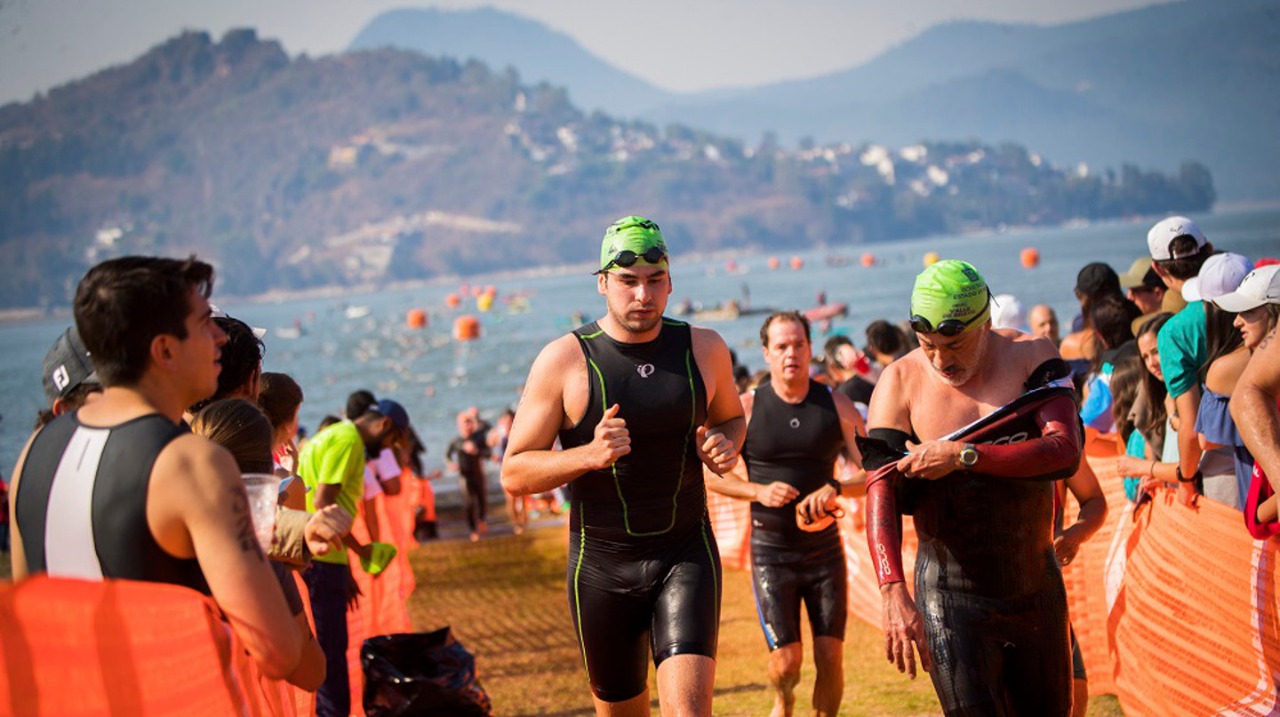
x: 1225, y: 371
x: 193, y: 464
x: 891, y: 401
x: 707, y: 342
x: 561, y: 355
x: 1027, y: 349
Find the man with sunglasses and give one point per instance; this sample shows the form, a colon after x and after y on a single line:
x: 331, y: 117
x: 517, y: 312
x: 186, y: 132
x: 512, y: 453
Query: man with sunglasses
x: 796, y: 428
x: 640, y: 403
x: 974, y: 426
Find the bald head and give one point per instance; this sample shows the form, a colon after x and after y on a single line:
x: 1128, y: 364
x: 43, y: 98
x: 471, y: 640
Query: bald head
x: 1043, y: 322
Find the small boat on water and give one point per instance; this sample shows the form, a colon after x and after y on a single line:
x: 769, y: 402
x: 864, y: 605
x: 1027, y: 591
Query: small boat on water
x: 356, y: 312
x: 826, y: 311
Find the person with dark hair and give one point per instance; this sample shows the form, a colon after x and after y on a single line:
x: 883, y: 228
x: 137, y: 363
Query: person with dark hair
x: 241, y: 362
x: 1150, y: 415
x: 842, y: 359
x: 886, y: 342
x: 1111, y: 318
x: 989, y: 616
x: 119, y: 489
x: 68, y: 376
x: 332, y: 465
x: 1178, y: 249
x: 797, y: 428
x: 1095, y: 281
x: 640, y: 403
x: 358, y: 402
x: 280, y: 398
x: 466, y: 455
x: 239, y: 426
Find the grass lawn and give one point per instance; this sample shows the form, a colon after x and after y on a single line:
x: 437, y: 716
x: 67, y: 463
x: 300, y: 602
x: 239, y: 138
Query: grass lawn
x: 505, y: 598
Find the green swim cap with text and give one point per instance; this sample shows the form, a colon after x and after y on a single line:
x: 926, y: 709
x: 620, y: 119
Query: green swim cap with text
x: 949, y: 289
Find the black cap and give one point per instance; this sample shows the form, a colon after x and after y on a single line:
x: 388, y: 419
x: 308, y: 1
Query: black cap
x: 66, y: 365
x: 1097, y: 279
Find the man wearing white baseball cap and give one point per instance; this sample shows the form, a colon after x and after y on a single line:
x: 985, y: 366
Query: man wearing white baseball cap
x: 1178, y: 250
x: 1254, y: 401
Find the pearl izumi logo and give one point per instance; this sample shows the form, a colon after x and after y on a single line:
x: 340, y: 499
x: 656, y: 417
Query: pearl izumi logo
x: 795, y: 423
x: 645, y: 370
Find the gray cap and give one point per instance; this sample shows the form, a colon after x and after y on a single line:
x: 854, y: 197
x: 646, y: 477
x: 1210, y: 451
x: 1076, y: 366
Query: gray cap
x: 66, y: 365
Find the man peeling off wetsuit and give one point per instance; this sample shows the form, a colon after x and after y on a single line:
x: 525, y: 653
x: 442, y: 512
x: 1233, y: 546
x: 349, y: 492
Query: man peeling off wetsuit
x: 967, y: 434
x: 640, y: 404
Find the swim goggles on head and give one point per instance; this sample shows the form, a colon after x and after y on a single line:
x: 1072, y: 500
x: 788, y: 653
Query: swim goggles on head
x: 627, y: 258
x: 946, y: 327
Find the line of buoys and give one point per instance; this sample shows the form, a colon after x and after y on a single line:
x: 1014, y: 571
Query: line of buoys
x: 868, y: 259
x: 774, y: 263
x: 1030, y: 257
x: 451, y: 301
x: 416, y: 318
x: 797, y: 262
x: 484, y: 302
x: 466, y: 328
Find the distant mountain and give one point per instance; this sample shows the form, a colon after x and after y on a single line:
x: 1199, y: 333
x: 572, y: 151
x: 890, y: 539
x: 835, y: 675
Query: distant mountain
x: 382, y: 165
x: 1156, y: 86
x: 501, y: 39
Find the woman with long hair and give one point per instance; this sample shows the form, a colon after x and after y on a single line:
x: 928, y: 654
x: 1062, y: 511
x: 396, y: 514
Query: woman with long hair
x: 1149, y: 415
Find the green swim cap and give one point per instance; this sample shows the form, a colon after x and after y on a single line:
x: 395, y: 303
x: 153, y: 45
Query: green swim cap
x: 634, y: 234
x: 950, y: 289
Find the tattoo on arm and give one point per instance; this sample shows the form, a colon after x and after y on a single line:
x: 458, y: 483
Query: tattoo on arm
x: 242, y: 521
x: 1271, y: 335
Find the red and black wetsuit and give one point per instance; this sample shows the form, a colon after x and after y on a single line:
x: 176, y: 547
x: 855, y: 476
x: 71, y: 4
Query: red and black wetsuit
x: 986, y: 579
x: 644, y: 570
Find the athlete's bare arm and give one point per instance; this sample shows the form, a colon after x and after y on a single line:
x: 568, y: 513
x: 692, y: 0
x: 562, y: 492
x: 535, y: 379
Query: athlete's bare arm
x: 1253, y: 406
x: 557, y: 385
x: 854, y: 479
x: 720, y: 440
x: 17, y: 557
x: 197, y: 507
x: 1093, y: 512
x: 737, y: 484
x: 900, y: 619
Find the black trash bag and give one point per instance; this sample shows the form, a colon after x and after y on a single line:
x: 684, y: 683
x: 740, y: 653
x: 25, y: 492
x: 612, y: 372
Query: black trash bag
x: 421, y: 673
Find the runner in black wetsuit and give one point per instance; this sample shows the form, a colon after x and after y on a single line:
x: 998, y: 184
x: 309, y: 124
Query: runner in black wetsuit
x: 796, y: 428
x: 991, y: 602
x: 640, y: 403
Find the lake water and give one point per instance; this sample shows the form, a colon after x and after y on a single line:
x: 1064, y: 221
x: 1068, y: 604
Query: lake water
x: 435, y: 376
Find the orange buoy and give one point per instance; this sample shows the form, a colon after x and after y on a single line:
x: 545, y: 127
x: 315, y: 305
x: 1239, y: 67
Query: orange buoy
x: 868, y: 259
x: 1030, y: 257
x: 484, y: 302
x: 451, y: 301
x: 930, y: 258
x: 466, y: 328
x: 416, y: 318
x: 797, y: 262
x: 491, y: 290
x: 477, y: 290
x: 774, y: 263
x: 731, y: 266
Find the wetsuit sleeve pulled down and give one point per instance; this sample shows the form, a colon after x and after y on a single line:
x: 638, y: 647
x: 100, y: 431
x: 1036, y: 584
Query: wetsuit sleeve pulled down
x: 880, y: 451
x: 1052, y: 456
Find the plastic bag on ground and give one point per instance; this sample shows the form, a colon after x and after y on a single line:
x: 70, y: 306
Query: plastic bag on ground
x: 421, y: 673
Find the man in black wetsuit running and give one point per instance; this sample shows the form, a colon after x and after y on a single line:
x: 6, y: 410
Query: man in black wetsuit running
x: 796, y: 428
x: 640, y: 403
x: 990, y: 615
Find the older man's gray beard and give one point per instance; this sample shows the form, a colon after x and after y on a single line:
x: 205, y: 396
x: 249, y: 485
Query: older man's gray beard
x: 970, y: 370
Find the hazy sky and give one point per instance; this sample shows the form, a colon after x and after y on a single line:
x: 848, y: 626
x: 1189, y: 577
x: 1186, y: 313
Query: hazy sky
x: 678, y: 45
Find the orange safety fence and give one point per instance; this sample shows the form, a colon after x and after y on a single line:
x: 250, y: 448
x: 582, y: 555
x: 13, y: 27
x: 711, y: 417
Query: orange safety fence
x: 75, y: 648
x: 1177, y: 609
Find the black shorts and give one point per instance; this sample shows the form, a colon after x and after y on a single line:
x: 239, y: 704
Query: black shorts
x: 779, y: 590
x: 630, y: 603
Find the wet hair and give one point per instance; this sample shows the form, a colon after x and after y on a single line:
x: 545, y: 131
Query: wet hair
x: 241, y: 358
x: 1188, y: 266
x: 883, y: 337
x: 1220, y: 336
x: 239, y: 426
x: 1112, y: 319
x: 795, y: 316
x: 279, y: 397
x: 121, y: 305
x: 358, y: 402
